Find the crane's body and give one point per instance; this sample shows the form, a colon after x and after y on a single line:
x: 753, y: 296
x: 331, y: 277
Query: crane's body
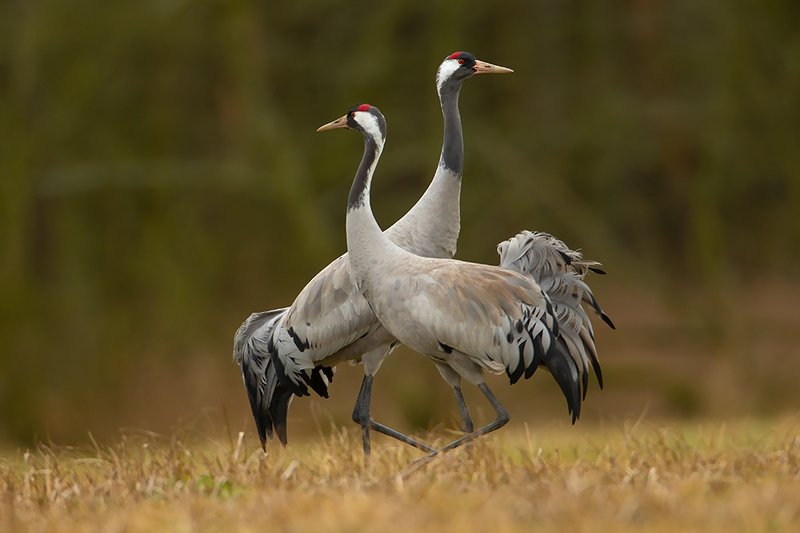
x: 466, y: 317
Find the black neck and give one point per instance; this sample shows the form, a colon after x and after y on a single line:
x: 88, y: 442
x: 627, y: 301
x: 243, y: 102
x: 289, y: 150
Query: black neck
x: 359, y: 190
x: 453, y: 145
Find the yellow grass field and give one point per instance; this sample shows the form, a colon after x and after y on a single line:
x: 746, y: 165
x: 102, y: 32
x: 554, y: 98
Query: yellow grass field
x: 739, y: 475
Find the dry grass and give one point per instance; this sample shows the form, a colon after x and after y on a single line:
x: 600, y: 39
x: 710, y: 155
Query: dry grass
x: 742, y: 475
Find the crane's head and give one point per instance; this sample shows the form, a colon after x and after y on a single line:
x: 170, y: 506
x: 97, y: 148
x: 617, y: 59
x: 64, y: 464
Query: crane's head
x: 365, y: 118
x: 459, y: 66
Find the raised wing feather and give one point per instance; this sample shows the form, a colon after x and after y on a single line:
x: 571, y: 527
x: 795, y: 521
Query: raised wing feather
x: 560, y: 271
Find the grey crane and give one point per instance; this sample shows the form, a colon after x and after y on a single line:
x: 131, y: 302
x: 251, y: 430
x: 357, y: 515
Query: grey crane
x: 329, y: 321
x: 467, y: 317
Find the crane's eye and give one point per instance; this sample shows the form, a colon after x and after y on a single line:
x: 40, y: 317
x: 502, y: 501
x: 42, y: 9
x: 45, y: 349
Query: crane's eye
x: 460, y: 61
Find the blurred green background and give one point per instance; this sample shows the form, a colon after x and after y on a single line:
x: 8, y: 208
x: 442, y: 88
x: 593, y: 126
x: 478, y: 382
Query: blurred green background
x: 161, y: 179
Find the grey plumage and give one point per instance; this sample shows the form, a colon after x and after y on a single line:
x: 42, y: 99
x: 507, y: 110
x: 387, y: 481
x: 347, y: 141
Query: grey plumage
x: 287, y: 351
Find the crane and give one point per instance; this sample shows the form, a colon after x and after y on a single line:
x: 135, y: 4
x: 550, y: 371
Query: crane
x: 330, y: 322
x: 470, y: 318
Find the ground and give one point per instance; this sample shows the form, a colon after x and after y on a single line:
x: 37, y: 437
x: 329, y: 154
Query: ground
x: 711, y: 476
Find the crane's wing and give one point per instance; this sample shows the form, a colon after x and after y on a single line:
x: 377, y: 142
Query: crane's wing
x: 560, y: 272
x: 285, y: 351
x: 500, y: 319
x: 328, y: 316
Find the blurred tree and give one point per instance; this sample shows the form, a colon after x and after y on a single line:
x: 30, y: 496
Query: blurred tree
x: 161, y: 177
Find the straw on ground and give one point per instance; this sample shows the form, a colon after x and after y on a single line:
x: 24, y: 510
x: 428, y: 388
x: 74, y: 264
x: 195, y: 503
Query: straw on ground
x: 742, y: 475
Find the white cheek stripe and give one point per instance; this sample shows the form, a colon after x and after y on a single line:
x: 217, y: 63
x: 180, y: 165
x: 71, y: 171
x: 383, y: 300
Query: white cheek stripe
x: 370, y: 124
x: 446, y: 69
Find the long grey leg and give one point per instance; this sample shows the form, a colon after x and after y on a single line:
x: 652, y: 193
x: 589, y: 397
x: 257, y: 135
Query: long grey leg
x: 361, y: 415
x: 466, y: 420
x: 454, y: 380
x: 500, y: 421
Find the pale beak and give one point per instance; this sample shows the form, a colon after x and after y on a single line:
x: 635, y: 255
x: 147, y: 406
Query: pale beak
x: 340, y: 122
x: 482, y: 67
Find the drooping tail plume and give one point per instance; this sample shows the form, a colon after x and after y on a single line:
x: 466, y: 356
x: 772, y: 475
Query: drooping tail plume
x: 269, y: 397
x: 269, y: 400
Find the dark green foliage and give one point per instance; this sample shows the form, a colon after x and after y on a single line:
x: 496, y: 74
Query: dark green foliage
x: 160, y: 176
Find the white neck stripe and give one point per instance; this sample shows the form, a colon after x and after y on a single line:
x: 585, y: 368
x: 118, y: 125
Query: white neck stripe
x: 446, y: 69
x: 370, y: 124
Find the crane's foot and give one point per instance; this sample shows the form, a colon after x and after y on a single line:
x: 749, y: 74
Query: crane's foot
x: 415, y: 465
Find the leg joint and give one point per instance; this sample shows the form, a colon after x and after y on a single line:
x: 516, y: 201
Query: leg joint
x: 359, y: 417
